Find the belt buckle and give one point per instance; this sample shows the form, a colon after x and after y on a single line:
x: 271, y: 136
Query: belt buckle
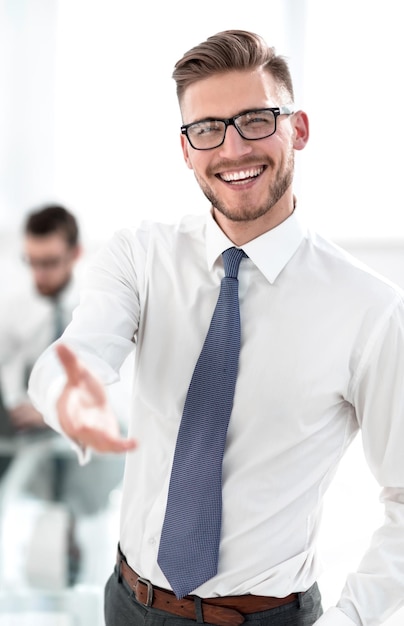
x: 149, y: 598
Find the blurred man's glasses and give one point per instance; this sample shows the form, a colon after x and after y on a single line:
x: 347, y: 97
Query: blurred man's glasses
x: 46, y: 264
x: 252, y: 125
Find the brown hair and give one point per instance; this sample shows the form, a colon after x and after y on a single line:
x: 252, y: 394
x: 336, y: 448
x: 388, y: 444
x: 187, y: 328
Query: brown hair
x: 50, y: 219
x: 226, y: 51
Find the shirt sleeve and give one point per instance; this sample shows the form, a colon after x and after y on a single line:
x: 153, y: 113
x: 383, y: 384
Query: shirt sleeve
x: 376, y: 590
x: 13, y: 380
x: 7, y: 340
x: 14, y: 361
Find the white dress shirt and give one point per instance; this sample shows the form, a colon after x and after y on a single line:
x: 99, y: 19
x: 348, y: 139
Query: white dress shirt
x: 29, y: 326
x: 322, y: 356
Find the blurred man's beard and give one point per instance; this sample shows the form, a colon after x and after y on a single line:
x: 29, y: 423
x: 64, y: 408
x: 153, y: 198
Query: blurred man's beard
x: 51, y: 291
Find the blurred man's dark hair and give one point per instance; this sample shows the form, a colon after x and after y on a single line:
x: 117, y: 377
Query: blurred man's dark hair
x: 50, y: 219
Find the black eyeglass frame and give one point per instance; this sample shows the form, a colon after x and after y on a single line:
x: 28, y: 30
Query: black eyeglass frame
x: 231, y: 121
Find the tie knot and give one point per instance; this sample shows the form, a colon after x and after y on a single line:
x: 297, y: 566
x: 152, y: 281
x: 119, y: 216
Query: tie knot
x: 231, y: 260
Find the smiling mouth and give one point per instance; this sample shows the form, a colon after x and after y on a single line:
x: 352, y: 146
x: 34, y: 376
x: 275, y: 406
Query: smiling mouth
x: 241, y: 176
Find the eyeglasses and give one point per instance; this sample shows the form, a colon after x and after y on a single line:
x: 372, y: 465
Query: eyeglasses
x: 46, y: 264
x: 252, y: 125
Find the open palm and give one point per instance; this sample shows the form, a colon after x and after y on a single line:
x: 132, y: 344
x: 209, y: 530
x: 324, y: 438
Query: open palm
x: 84, y: 411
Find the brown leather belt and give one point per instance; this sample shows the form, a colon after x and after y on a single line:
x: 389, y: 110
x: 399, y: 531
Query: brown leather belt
x: 224, y: 611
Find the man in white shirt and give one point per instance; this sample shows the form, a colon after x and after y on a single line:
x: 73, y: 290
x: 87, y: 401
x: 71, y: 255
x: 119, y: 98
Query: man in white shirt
x: 39, y: 312
x: 35, y: 315
x: 319, y: 332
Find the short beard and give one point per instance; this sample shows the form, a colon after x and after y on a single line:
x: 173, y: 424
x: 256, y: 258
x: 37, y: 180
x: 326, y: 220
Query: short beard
x: 282, y: 182
x: 54, y: 290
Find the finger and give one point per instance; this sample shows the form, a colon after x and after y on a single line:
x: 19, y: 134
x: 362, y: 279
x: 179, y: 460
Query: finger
x: 108, y: 444
x: 76, y: 373
x: 70, y: 363
x: 120, y: 446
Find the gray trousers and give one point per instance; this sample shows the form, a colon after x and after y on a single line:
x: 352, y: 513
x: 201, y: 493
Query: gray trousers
x: 122, y: 609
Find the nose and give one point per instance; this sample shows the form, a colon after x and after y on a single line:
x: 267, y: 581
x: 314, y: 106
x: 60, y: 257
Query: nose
x: 234, y: 144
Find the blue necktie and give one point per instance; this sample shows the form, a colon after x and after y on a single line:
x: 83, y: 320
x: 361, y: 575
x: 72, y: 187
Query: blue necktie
x: 189, y: 545
x: 59, y: 325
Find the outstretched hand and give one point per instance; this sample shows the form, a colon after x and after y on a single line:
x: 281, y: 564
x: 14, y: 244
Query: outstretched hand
x: 84, y: 411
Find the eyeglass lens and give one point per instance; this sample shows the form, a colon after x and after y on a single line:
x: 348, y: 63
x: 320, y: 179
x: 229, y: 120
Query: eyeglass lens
x: 46, y: 264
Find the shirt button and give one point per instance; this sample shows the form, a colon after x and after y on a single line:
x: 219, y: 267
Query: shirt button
x: 152, y: 541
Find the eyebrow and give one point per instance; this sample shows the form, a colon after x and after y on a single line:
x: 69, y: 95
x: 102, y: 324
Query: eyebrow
x: 212, y: 118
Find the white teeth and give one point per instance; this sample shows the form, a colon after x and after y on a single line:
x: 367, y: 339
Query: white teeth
x: 242, y: 175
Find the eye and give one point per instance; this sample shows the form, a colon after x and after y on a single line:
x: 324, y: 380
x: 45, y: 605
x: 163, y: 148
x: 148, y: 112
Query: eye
x: 256, y: 124
x: 257, y: 119
x: 209, y: 127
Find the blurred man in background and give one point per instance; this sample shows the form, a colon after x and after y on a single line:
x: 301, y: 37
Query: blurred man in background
x: 35, y: 315
x: 39, y: 313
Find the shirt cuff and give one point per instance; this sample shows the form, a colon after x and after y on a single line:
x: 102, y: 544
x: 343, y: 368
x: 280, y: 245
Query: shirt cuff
x: 334, y: 617
x: 83, y: 454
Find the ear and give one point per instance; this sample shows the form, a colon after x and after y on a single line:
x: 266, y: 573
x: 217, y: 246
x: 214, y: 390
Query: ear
x: 185, y: 151
x: 77, y: 252
x: 301, y: 133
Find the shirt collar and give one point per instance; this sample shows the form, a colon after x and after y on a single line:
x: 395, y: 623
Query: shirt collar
x: 270, y: 252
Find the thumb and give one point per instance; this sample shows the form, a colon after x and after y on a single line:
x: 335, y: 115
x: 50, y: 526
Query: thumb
x: 70, y: 363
